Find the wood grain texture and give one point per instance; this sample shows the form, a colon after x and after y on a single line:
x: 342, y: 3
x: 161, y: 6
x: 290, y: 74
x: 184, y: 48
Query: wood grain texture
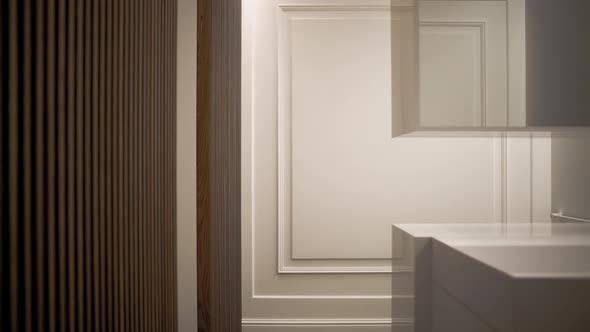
x: 88, y: 232
x: 218, y: 165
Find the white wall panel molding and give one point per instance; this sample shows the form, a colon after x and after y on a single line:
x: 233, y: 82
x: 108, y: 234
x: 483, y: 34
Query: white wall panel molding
x: 314, y: 285
x: 285, y: 214
x: 341, y: 269
x: 334, y: 297
x: 287, y: 262
x: 326, y: 322
x: 470, y: 40
x: 326, y: 325
x: 460, y: 35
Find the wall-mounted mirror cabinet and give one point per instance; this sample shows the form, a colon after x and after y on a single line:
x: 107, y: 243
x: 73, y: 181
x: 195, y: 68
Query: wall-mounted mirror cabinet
x: 490, y: 65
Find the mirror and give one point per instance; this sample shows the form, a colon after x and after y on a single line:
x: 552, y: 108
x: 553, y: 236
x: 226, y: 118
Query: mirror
x: 491, y: 65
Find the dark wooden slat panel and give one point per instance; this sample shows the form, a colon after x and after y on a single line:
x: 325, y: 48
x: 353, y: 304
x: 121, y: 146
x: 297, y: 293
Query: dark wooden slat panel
x: 27, y: 167
x: 79, y: 169
x: 88, y: 162
x: 173, y: 152
x: 166, y: 303
x: 173, y: 158
x: 126, y: 174
x: 152, y: 166
x: 147, y: 151
x: 61, y: 180
x: 88, y: 189
x: 13, y: 169
x: 203, y: 185
x: 116, y: 181
x: 109, y: 166
x: 218, y: 165
x: 134, y: 162
x: 108, y: 150
x: 172, y: 166
x: 142, y: 189
x: 95, y: 170
x: 4, y: 191
x: 158, y: 138
x: 102, y: 166
x: 71, y: 224
x: 125, y: 201
x: 40, y: 162
x: 51, y: 165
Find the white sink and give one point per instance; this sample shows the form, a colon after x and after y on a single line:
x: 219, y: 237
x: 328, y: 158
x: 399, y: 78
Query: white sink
x: 498, y: 277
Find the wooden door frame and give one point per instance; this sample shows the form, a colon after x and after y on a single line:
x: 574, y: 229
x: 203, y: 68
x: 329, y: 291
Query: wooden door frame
x: 218, y: 165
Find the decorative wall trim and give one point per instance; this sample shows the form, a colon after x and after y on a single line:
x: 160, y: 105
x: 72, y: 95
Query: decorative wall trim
x: 284, y: 143
x: 343, y: 7
x: 284, y: 212
x: 334, y: 297
x: 218, y: 200
x: 483, y: 65
x: 385, y: 322
x: 341, y: 269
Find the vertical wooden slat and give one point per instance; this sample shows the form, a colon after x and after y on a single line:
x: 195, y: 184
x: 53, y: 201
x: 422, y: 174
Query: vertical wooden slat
x: 4, y: 190
x: 61, y: 163
x: 108, y: 149
x: 79, y: 169
x: 218, y: 164
x: 171, y: 166
x: 150, y: 154
x: 27, y: 143
x: 40, y: 163
x: 142, y: 190
x: 132, y: 201
x: 51, y: 165
x: 158, y: 192
x: 132, y: 174
x: 172, y: 131
x: 95, y: 170
x: 13, y: 171
x: 138, y: 271
x: 71, y: 224
x: 165, y: 179
x: 125, y: 317
x: 116, y: 181
x: 102, y: 166
x: 173, y: 158
x: 137, y: 232
x: 148, y: 108
x: 203, y: 185
x: 4, y: 293
x: 88, y: 162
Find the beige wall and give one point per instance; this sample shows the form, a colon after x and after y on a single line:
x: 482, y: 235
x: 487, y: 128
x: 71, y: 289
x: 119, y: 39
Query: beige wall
x: 571, y: 183
x: 323, y: 180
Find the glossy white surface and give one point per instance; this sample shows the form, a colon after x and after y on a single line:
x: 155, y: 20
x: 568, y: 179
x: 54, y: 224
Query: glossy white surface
x: 534, y: 261
x: 525, y: 277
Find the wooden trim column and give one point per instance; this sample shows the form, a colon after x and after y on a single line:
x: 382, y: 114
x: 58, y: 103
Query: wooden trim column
x: 218, y: 165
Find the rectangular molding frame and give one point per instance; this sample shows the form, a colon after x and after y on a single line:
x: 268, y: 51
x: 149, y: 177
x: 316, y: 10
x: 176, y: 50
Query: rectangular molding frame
x: 481, y: 25
x: 284, y: 152
x: 384, y: 322
x: 284, y: 158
